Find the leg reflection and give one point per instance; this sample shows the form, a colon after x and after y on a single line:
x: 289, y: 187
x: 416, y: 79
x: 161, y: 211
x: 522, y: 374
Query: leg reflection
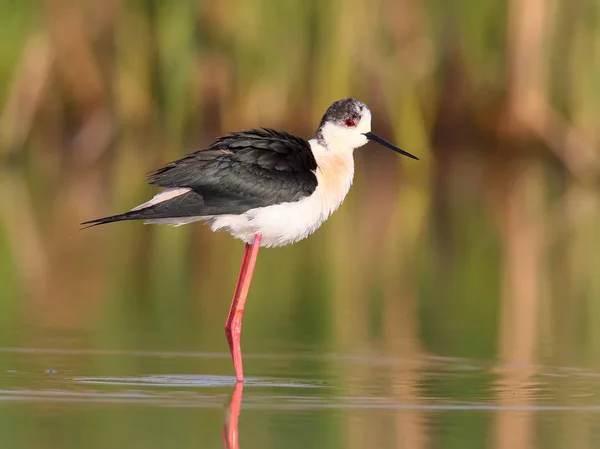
x: 230, y: 429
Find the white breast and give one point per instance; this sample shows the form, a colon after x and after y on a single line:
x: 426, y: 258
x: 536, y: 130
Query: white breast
x: 287, y: 223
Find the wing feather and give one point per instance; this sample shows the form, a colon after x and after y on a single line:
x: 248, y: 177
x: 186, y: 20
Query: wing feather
x: 255, y: 168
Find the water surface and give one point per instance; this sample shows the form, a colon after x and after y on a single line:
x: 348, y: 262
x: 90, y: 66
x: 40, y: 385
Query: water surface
x: 53, y: 397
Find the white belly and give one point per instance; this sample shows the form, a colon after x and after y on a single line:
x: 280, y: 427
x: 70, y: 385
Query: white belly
x: 279, y: 225
x: 287, y: 223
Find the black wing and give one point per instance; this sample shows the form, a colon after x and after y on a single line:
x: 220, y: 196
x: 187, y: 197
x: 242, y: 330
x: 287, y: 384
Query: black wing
x: 260, y: 167
x: 236, y: 173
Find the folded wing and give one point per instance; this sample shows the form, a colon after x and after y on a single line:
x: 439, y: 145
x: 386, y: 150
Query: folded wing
x: 236, y: 173
x: 254, y: 168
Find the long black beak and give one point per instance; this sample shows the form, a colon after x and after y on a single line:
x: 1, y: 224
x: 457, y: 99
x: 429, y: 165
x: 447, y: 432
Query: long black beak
x: 375, y: 138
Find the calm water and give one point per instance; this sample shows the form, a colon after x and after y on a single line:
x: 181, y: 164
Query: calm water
x: 299, y: 398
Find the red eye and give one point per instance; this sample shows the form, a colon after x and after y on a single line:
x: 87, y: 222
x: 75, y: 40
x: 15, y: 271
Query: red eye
x: 349, y: 123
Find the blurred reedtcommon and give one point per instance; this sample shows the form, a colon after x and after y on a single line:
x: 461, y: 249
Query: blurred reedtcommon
x: 265, y: 187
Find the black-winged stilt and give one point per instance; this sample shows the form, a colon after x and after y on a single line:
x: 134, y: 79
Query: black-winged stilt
x: 265, y: 187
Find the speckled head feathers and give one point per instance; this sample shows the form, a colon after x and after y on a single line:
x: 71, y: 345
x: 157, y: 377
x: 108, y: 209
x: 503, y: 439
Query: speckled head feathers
x: 344, y: 109
x: 343, y: 126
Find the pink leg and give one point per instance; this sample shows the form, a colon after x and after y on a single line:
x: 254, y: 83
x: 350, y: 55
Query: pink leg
x: 236, y: 295
x: 233, y: 325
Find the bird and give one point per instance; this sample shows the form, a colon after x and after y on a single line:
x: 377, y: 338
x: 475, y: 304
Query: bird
x: 265, y: 187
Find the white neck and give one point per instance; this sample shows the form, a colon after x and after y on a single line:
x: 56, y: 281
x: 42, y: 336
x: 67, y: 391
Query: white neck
x: 335, y: 173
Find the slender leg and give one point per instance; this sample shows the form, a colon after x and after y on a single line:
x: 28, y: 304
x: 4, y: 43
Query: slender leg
x: 233, y: 325
x: 236, y: 294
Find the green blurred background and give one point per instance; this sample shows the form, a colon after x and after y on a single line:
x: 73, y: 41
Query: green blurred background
x: 486, y: 248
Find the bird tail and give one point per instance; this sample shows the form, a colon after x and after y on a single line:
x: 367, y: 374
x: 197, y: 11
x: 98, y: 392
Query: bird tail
x: 132, y: 215
x: 171, y: 206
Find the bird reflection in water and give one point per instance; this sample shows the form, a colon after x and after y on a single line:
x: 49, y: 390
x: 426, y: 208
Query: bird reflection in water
x: 230, y: 429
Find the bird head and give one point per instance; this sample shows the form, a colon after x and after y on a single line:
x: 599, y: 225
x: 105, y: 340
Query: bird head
x: 347, y: 125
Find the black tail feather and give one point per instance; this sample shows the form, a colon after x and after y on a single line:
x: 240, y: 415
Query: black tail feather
x: 190, y: 204
x: 186, y: 205
x: 132, y: 215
